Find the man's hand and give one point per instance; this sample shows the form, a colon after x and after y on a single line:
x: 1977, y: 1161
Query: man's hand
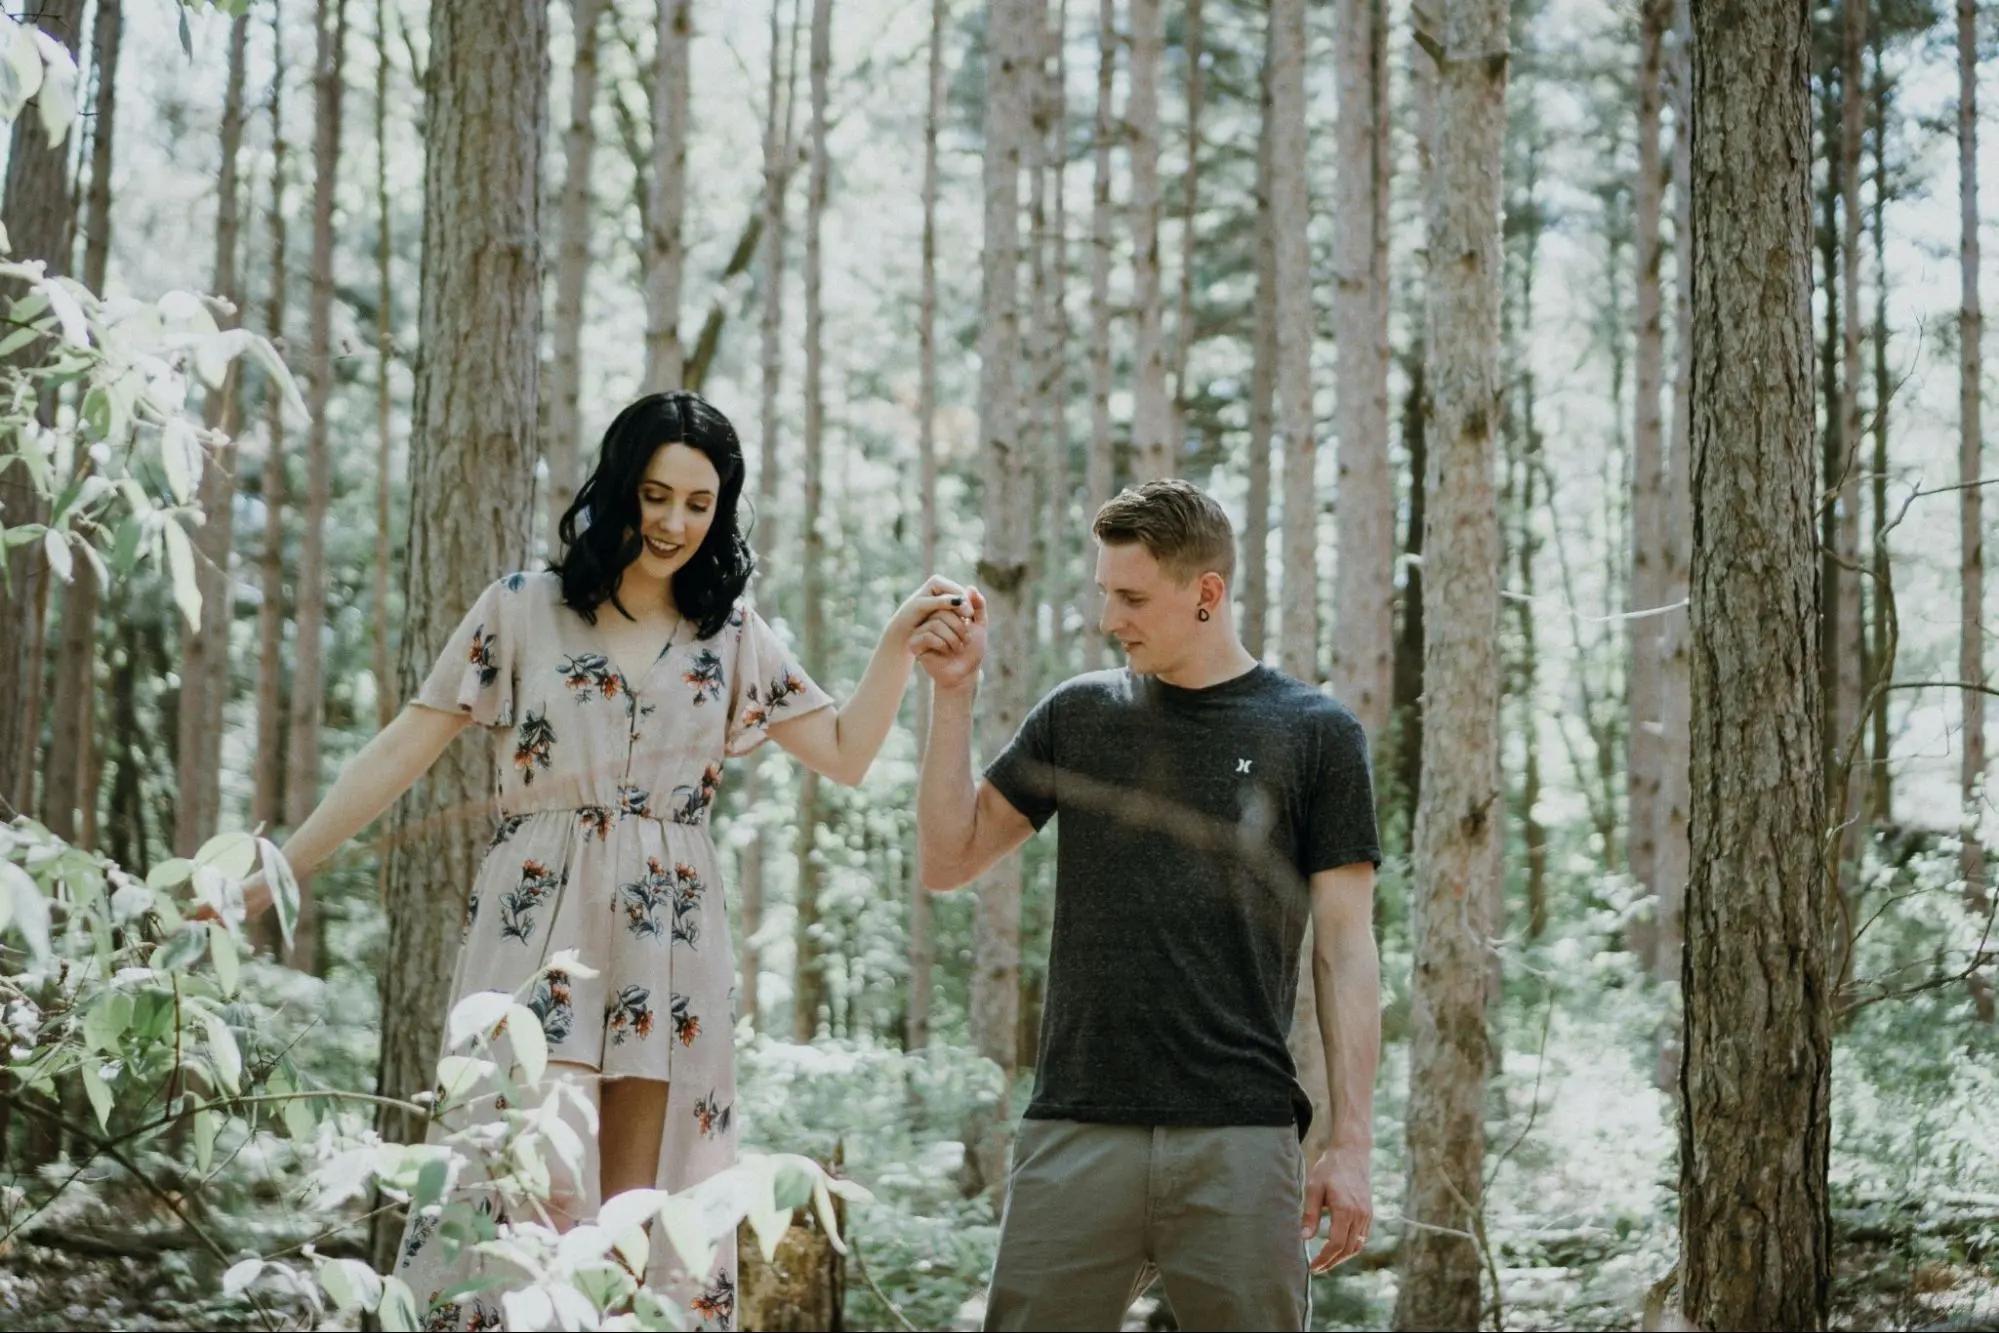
x: 256, y: 898
x: 1339, y: 1186
x: 951, y: 648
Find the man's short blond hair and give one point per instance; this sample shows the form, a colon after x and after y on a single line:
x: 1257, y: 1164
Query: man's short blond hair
x: 1177, y: 522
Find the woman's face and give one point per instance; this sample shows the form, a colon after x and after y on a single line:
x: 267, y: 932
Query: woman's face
x: 677, y: 498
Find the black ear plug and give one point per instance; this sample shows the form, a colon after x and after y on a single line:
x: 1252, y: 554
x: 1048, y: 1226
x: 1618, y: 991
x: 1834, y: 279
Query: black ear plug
x: 956, y: 601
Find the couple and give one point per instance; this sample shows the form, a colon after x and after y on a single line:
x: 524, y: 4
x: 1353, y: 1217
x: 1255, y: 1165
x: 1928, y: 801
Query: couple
x: 1211, y: 804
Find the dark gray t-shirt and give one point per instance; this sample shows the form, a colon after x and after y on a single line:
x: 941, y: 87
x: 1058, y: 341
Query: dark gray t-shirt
x: 1190, y: 821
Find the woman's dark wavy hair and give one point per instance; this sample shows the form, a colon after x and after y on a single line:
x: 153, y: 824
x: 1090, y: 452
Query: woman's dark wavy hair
x: 600, y: 530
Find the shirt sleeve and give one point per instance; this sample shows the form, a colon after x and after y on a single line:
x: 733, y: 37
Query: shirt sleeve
x: 475, y: 672
x: 1025, y: 772
x: 769, y: 686
x: 1341, y: 829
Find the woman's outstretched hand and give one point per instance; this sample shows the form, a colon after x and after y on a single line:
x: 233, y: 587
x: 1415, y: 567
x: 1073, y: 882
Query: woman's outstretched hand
x: 950, y: 649
x: 938, y: 600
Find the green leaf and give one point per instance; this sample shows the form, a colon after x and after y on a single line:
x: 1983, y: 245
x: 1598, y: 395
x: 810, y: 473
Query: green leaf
x: 222, y: 1047
x: 284, y: 887
x: 398, y: 1312
x: 234, y: 854
x: 205, y: 1125
x: 240, y: 1275
x: 179, y: 951
x: 97, y: 413
x: 56, y: 547
x: 222, y: 951
x: 170, y: 872
x: 530, y: 1042
x: 107, y: 1021
x: 28, y: 907
x: 20, y: 338
x: 351, y: 1283
x: 180, y: 560
x: 180, y: 456
x: 430, y: 1178
x: 299, y: 1120
x: 125, y: 549
x: 99, y: 1093
x: 186, y: 37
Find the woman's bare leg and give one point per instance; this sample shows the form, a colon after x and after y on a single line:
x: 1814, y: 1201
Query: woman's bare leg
x: 634, y: 1118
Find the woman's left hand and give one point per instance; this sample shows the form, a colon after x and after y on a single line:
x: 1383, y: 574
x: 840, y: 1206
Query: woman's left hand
x: 938, y: 597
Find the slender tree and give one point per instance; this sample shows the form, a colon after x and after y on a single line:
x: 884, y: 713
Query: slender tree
x: 1194, y: 43
x: 1364, y: 592
x: 472, y: 454
x: 922, y: 946
x: 308, y: 690
x: 1457, y: 817
x: 38, y: 212
x: 1104, y: 130
x: 69, y: 795
x: 666, y: 250
x: 1755, y: 1090
x: 1648, y: 475
x: 1970, y: 453
x: 1154, y: 452
x: 385, y: 690
x: 267, y: 791
x: 1004, y: 567
x: 1262, y: 385
x: 1850, y: 652
x: 205, y: 671
x: 809, y: 982
x: 572, y: 270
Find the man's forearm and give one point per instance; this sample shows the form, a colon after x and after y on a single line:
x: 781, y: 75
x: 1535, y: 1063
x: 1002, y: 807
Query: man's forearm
x: 1346, y: 973
x: 946, y: 797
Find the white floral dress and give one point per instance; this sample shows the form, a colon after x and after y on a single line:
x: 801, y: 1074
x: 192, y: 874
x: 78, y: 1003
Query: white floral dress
x: 604, y: 787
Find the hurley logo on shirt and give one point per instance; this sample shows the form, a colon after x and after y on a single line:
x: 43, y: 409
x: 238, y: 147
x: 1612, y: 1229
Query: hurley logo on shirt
x: 1242, y: 766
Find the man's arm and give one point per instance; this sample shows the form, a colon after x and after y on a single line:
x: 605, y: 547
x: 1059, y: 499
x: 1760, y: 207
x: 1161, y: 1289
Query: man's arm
x: 1346, y: 973
x: 961, y: 829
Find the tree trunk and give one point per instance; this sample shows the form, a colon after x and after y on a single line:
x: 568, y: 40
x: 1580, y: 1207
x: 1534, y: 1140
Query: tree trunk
x: 1262, y: 387
x: 572, y: 271
x: 1364, y: 592
x: 922, y: 946
x: 1037, y: 437
x: 1058, y: 577
x: 809, y: 982
x: 1298, y: 630
x: 1851, y: 651
x: 38, y: 212
x: 1755, y: 1079
x: 1457, y: 820
x: 1648, y: 478
x: 1525, y: 546
x: 1101, y: 464
x: 1879, y: 782
x: 385, y: 686
x: 665, y: 249
x: 1004, y: 569
x: 308, y: 681
x: 1194, y: 42
x: 69, y: 786
x: 205, y: 672
x: 472, y: 454
x: 1970, y: 464
x: 1154, y: 451
x: 267, y: 790
x: 1675, y: 703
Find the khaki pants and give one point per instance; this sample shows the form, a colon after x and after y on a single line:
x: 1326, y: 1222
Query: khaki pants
x: 1093, y: 1211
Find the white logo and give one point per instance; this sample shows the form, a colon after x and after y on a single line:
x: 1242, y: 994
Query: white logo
x: 1242, y: 765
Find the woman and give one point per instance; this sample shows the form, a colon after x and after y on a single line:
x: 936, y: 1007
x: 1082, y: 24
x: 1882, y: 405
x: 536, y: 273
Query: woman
x: 613, y: 686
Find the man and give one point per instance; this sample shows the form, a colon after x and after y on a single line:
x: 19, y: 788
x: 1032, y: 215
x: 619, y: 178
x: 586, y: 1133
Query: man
x: 1207, y: 803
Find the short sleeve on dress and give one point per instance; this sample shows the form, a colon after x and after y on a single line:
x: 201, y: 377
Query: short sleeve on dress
x: 769, y: 685
x: 475, y: 672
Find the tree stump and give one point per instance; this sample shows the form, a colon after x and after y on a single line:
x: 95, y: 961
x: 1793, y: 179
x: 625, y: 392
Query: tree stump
x: 803, y: 1288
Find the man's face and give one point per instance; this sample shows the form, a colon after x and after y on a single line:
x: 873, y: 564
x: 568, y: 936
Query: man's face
x: 1145, y: 609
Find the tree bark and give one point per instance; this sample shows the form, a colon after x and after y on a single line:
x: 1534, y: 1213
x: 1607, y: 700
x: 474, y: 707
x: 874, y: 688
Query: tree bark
x: 1364, y: 590
x: 1154, y: 451
x: 308, y: 681
x: 1970, y: 451
x: 666, y: 250
x: 1755, y: 1079
x: 1675, y: 703
x: 1290, y: 208
x: 1004, y: 568
x: 1879, y: 782
x: 385, y: 685
x: 572, y: 272
x: 1851, y: 651
x: 1648, y: 477
x: 69, y: 787
x: 38, y: 211
x: 1262, y: 386
x: 472, y: 454
x: 1457, y: 819
x: 1101, y: 469
x: 809, y: 980
x: 205, y: 673
x: 922, y: 946
x: 267, y: 791
x: 1194, y: 41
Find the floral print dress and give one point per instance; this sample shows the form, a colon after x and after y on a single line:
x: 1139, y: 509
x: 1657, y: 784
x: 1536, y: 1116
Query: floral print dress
x: 604, y: 786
